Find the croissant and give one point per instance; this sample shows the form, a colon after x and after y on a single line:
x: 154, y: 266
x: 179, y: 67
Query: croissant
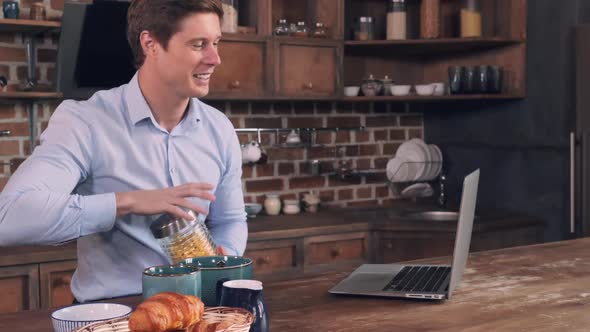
x: 204, y: 326
x: 166, y: 311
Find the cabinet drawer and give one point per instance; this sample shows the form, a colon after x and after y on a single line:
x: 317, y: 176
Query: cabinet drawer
x: 334, y: 248
x: 242, y: 72
x: 19, y: 286
x: 307, y: 70
x: 273, y: 256
x: 55, y: 279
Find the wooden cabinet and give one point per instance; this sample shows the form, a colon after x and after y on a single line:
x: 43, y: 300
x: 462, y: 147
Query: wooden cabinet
x: 335, y: 248
x: 277, y: 256
x: 244, y: 69
x: 55, y: 279
x: 19, y: 286
x: 306, y: 68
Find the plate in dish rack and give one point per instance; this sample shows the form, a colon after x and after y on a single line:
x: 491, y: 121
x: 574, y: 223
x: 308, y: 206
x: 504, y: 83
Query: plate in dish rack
x: 240, y: 318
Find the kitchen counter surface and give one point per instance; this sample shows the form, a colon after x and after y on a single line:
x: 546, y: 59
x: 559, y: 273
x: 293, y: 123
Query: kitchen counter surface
x: 327, y: 221
x: 530, y: 288
x: 288, y: 226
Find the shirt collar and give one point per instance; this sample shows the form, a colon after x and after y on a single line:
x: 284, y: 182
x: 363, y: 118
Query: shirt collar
x: 138, y: 108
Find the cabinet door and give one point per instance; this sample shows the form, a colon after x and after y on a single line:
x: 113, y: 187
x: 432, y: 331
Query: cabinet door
x: 307, y: 69
x: 55, y: 283
x: 243, y: 69
x: 275, y: 256
x: 329, y: 249
x: 19, y: 286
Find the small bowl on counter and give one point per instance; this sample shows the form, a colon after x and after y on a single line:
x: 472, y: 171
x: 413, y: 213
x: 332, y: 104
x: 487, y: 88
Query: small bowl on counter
x: 291, y: 206
x: 252, y: 209
x: 75, y: 316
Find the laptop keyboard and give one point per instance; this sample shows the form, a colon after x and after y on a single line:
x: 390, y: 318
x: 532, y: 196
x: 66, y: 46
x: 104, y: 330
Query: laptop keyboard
x: 418, y: 279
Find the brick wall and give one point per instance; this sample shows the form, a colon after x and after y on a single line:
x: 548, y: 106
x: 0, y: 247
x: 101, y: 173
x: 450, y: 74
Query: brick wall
x: 287, y: 171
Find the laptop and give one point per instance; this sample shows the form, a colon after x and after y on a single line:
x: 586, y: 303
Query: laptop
x: 430, y: 282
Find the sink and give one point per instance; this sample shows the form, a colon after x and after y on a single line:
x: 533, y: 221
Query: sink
x: 433, y: 215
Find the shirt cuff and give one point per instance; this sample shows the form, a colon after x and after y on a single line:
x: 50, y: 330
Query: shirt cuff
x: 99, y: 213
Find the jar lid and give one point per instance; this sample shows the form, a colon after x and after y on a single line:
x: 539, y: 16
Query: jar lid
x: 300, y: 23
x: 366, y: 19
x: 282, y: 21
x: 168, y: 225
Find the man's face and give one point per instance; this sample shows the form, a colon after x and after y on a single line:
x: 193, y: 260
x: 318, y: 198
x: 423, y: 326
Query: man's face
x: 186, y: 66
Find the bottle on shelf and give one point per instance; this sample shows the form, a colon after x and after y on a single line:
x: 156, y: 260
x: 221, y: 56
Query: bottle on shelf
x: 470, y: 19
x: 396, y: 20
x: 282, y: 28
x: 364, y: 29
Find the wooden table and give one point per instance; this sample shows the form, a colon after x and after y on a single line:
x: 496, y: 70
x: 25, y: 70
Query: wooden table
x: 533, y: 288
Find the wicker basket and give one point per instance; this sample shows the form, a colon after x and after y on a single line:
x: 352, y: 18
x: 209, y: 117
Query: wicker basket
x: 241, y: 319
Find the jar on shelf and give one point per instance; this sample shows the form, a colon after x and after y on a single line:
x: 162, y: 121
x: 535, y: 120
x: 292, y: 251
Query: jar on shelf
x: 387, y: 83
x: 364, y: 29
x: 371, y: 87
x: 396, y: 20
x: 37, y: 12
x: 301, y: 30
x: 182, y: 238
x: 319, y: 31
x: 282, y: 28
x: 230, y: 16
x: 430, y: 19
x: 471, y: 18
x: 272, y: 204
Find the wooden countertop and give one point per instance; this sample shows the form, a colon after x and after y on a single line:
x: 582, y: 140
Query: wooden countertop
x: 532, y: 288
x: 328, y: 221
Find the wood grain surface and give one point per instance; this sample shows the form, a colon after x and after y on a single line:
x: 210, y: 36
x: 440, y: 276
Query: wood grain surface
x: 532, y: 288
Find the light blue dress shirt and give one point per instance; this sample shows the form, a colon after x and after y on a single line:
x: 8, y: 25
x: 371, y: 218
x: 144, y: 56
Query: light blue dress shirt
x: 112, y: 143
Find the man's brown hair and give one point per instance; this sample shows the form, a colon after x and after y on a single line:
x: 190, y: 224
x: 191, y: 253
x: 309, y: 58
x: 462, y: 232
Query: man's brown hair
x: 161, y: 18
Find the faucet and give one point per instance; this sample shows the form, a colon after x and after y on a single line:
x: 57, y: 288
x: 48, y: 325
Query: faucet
x: 442, y: 199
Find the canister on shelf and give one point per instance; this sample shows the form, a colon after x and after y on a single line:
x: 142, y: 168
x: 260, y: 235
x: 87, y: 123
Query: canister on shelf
x: 301, y: 30
x: 364, y: 28
x: 470, y: 19
x: 396, y: 20
x: 230, y: 16
x: 430, y: 19
x: 282, y: 28
x: 319, y: 31
x: 181, y: 238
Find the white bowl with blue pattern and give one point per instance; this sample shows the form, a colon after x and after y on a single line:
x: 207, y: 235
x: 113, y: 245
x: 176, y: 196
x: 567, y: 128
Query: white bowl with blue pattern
x: 75, y: 316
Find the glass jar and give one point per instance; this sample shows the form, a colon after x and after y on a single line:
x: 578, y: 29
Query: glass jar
x: 282, y: 28
x: 230, y: 16
x: 319, y: 31
x: 430, y: 19
x: 37, y: 12
x: 387, y: 83
x: 470, y: 18
x: 272, y: 204
x: 371, y: 87
x: 301, y: 30
x: 181, y: 238
x: 364, y: 28
x: 396, y: 20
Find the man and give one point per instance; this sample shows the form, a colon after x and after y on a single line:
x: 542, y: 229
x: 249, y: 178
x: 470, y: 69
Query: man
x: 107, y: 167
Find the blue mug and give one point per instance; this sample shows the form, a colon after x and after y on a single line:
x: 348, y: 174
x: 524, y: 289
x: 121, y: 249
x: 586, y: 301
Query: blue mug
x: 217, y: 269
x: 10, y: 9
x: 246, y: 294
x: 171, y: 278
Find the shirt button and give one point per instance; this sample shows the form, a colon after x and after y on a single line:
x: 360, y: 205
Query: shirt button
x: 173, y: 170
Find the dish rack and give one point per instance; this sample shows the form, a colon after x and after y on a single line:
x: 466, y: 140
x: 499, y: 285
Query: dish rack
x: 400, y: 188
x: 240, y: 318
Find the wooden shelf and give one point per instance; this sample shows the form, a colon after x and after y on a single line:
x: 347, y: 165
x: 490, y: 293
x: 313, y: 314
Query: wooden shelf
x: 418, y: 98
x: 427, y: 46
x: 30, y: 26
x: 30, y: 95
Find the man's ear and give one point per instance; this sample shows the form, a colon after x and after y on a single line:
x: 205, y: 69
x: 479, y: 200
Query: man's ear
x: 148, y: 42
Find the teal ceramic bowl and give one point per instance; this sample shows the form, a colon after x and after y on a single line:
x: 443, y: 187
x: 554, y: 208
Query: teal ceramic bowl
x: 217, y: 269
x: 183, y: 279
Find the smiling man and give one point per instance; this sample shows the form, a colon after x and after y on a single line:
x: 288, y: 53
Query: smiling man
x: 109, y: 166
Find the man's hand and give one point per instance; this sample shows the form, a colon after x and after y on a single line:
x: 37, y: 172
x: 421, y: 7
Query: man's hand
x: 167, y: 200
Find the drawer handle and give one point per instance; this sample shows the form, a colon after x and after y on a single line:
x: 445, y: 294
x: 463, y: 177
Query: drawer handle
x: 63, y: 281
x: 5, y: 133
x: 263, y: 260
x: 234, y: 85
x: 308, y: 86
x: 335, y: 252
